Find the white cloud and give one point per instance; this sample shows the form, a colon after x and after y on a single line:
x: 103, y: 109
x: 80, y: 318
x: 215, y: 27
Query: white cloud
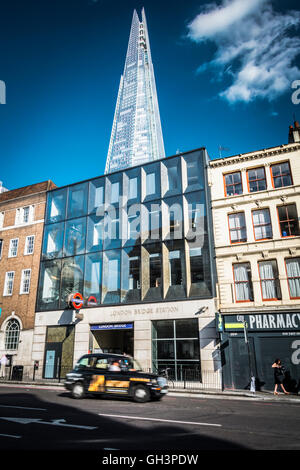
x: 254, y: 47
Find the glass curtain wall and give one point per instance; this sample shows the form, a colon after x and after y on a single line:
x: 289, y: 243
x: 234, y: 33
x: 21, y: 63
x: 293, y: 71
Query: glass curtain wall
x: 139, y: 235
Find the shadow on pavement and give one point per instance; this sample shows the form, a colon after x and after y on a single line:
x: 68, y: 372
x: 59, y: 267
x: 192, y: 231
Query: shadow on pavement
x: 46, y: 427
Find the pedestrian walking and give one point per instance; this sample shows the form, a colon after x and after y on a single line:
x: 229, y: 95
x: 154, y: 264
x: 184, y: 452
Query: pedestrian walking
x: 3, y: 362
x: 278, y: 376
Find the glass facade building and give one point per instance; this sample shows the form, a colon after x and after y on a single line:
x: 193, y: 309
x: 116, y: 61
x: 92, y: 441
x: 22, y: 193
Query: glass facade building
x: 131, y: 237
x: 136, y: 135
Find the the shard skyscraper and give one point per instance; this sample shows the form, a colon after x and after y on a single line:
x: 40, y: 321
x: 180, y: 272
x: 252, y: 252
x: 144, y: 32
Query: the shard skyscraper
x: 136, y: 135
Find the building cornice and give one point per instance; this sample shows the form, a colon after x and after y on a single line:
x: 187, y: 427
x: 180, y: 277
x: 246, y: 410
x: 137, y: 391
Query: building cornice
x: 270, y: 152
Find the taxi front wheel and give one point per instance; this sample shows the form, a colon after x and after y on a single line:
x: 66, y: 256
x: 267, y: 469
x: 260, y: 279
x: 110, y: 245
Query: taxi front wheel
x: 141, y: 394
x: 78, y: 390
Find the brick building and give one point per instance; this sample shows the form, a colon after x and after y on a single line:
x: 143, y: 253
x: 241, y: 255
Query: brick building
x: 21, y: 230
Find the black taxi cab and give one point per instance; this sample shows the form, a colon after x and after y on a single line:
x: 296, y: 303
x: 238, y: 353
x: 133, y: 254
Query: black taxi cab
x: 112, y: 374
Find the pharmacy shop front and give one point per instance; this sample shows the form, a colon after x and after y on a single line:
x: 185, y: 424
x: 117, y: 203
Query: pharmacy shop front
x: 250, y: 344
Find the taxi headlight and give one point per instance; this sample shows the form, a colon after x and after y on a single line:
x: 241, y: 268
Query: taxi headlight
x: 162, y: 382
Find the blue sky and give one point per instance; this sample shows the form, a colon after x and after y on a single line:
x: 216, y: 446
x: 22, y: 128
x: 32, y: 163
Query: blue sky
x: 223, y: 72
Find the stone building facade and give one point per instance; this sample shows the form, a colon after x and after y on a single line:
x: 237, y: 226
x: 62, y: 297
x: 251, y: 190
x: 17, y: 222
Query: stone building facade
x: 255, y: 209
x: 21, y: 231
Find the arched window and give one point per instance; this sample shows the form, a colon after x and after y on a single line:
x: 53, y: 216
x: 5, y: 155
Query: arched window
x: 12, y: 334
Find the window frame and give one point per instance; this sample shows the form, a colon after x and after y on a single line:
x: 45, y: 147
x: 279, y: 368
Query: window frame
x: 256, y: 180
x: 5, y: 293
x: 16, y: 337
x: 288, y: 220
x: 10, y: 255
x: 262, y: 225
x: 23, y: 279
x: 276, y: 280
x: 237, y: 228
x: 225, y: 185
x: 249, y: 281
x: 27, y: 243
x: 290, y: 174
x: 288, y: 278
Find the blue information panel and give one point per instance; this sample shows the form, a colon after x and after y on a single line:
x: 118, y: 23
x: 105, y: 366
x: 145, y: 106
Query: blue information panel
x: 113, y: 326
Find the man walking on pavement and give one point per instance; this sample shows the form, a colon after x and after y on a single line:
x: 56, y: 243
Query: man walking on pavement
x: 3, y: 362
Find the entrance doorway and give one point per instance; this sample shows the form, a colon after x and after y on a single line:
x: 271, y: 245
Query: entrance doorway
x: 113, y: 338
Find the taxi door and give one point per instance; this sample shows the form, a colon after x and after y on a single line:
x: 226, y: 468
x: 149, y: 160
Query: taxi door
x: 117, y: 382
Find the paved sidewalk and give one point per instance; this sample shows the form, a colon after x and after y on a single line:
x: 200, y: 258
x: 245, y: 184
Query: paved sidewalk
x: 207, y: 393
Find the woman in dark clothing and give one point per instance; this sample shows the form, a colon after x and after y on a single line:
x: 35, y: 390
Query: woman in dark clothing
x: 278, y: 376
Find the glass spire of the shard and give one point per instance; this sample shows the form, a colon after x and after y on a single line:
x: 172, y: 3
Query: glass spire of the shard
x: 136, y: 135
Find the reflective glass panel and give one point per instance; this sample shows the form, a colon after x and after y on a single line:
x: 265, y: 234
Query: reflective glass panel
x: 49, y: 285
x: 75, y: 233
x: 56, y: 205
x: 96, y: 194
x: 92, y: 278
x: 53, y: 241
x: 72, y: 273
x: 111, y: 277
x: 95, y: 233
x: 131, y: 282
x: 77, y: 200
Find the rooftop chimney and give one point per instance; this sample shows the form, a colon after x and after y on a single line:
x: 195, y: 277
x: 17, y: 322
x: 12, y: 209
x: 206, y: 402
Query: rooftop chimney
x: 294, y: 133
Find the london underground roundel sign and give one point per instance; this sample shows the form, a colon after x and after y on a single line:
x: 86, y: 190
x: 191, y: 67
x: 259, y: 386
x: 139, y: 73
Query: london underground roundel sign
x: 76, y: 300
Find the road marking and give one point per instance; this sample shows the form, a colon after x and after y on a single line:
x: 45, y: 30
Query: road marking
x: 23, y: 407
x: 55, y: 422
x: 160, y: 420
x: 11, y: 435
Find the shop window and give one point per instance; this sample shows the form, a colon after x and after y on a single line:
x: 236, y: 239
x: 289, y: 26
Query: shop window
x: 175, y: 344
x: 293, y: 275
x: 288, y: 220
x: 269, y: 281
x: 77, y: 200
x: 56, y: 205
x: 53, y: 241
x: 233, y: 184
x: 12, y: 335
x: 256, y: 179
x: 243, y: 282
x: 75, y: 233
x: 49, y: 285
x: 237, y: 227
x: 281, y: 175
x: 262, y: 224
